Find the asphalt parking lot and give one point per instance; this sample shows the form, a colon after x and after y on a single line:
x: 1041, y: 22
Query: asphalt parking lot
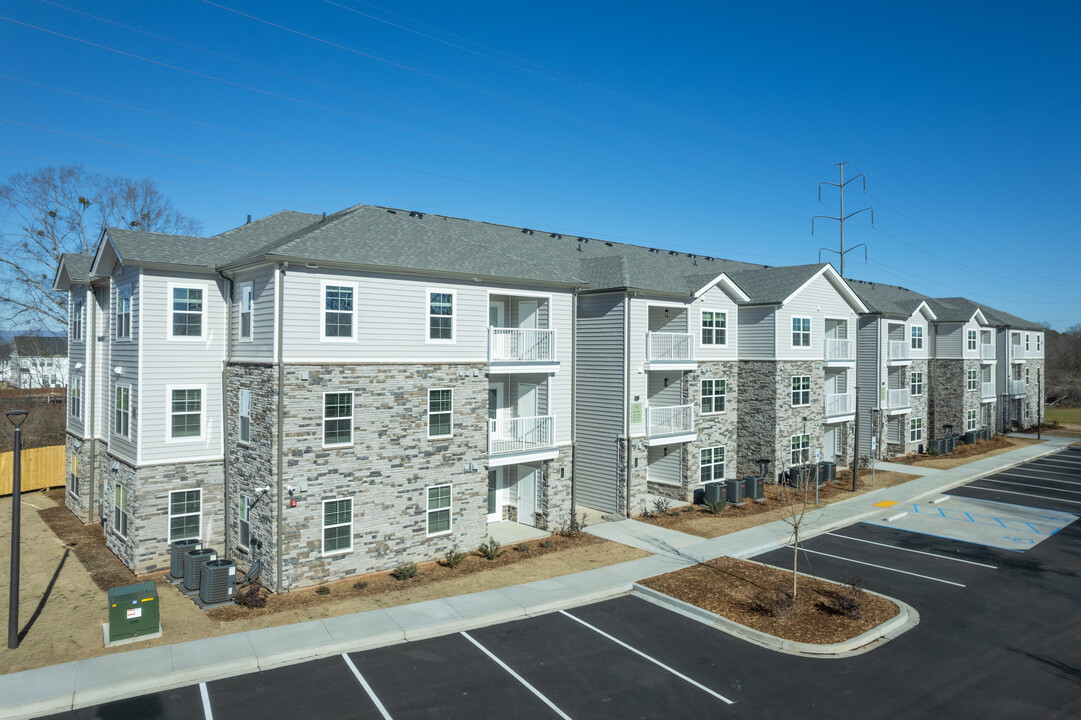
x: 998, y: 638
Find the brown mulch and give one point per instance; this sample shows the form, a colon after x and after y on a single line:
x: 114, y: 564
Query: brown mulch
x: 740, y: 590
x: 980, y: 447
x: 88, y: 544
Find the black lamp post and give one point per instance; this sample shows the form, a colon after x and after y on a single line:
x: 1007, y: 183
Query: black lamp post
x: 16, y: 417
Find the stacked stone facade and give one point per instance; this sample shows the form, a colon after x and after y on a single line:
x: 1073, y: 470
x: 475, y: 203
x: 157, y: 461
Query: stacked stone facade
x: 715, y: 429
x: 79, y: 503
x: 951, y: 400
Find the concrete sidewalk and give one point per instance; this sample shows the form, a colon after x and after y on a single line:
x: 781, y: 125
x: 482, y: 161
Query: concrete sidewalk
x: 89, y: 682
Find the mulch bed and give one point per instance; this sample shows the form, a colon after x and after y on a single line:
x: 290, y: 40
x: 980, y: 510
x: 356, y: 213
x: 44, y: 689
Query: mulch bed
x: 964, y: 450
x: 741, y: 591
x: 88, y: 544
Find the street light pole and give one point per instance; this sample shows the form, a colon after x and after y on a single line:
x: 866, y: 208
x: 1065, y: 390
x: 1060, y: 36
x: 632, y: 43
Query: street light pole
x: 16, y: 417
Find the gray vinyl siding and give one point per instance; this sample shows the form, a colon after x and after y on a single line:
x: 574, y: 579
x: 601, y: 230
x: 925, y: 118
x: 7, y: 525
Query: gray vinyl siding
x: 661, y: 395
x: 717, y: 300
x: 818, y: 300
x: 77, y: 354
x: 665, y: 467
x: 757, y: 337
x: 261, y: 346
x: 98, y: 374
x: 599, y: 402
x: 949, y: 341
x: 123, y: 354
x: 868, y: 363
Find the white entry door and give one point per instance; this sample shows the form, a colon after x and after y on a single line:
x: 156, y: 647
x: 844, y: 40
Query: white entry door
x: 497, y: 494
x: 527, y: 320
x: 527, y: 495
x: 829, y: 444
x: 525, y: 431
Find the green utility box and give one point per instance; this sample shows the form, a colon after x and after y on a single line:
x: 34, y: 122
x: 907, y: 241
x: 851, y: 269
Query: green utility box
x: 133, y: 611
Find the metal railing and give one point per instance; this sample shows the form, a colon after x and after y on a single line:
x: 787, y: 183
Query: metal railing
x: 669, y: 347
x: 520, y: 434
x: 987, y: 390
x: 899, y: 350
x: 1017, y: 352
x: 987, y: 351
x: 1017, y: 387
x: 840, y: 404
x: 521, y: 345
x: 669, y: 420
x: 898, y: 398
x: 839, y: 349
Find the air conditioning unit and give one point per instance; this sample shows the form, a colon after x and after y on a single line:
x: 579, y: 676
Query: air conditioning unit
x: 193, y: 567
x: 755, y: 486
x: 176, y: 557
x: 218, y: 582
x: 828, y: 471
x: 970, y: 437
x: 715, y: 492
x: 737, y: 490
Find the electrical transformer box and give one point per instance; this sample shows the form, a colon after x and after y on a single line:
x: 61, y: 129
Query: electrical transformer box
x: 133, y: 611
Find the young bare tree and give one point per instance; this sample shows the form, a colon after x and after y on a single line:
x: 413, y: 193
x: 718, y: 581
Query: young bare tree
x: 55, y: 210
x: 796, y: 502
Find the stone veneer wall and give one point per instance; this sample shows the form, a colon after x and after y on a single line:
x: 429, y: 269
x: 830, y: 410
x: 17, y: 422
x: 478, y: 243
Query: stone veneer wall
x: 719, y: 429
x: 790, y: 418
x: 755, y: 426
x: 950, y: 398
x: 79, y: 506
x: 1033, y: 401
x: 554, y: 493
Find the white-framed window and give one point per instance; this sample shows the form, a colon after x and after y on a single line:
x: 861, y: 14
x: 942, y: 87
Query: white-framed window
x: 714, y: 328
x: 713, y: 396
x: 75, y: 397
x: 917, y: 337
x: 915, y: 430
x: 244, y: 525
x: 185, y: 514
x: 186, y: 312
x: 245, y: 415
x: 123, y: 312
x: 712, y: 464
x: 801, y: 449
x: 1026, y: 376
x: 801, y: 390
x: 971, y: 420
x: 185, y: 412
x: 73, y: 477
x: 441, y: 315
x: 972, y: 380
x: 440, y: 413
x: 122, y: 411
x: 339, y: 311
x: 1027, y: 339
x: 801, y: 332
x: 971, y: 339
x: 247, y: 296
x: 120, y: 510
x: 337, y: 526
x: 439, y: 509
x: 77, y: 320
x: 1039, y: 339
x: 915, y: 383
x: 337, y: 419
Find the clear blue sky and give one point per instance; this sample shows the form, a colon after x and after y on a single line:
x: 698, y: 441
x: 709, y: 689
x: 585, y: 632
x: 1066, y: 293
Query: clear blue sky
x: 695, y: 126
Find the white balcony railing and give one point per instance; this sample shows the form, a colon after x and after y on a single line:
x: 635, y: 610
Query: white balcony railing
x: 1017, y: 352
x: 899, y: 350
x: 987, y: 351
x: 987, y: 390
x: 667, y: 347
x: 669, y: 420
x: 520, y: 434
x: 840, y: 350
x: 521, y: 345
x: 898, y: 398
x: 1017, y: 387
x: 840, y: 404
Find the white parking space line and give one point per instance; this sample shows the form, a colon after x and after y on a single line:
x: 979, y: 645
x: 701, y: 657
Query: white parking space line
x: 1046, y: 471
x: 1031, y: 495
x: 656, y: 662
x: 1034, y: 487
x: 881, y: 567
x: 919, y: 552
x: 367, y: 688
x: 1038, y: 477
x: 1061, y: 464
x: 517, y: 677
x: 206, y: 701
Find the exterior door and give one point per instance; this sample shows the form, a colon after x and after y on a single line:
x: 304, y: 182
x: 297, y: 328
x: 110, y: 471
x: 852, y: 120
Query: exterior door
x: 496, y: 412
x: 497, y: 313
x: 525, y: 430
x: 527, y: 495
x: 829, y: 444
x: 527, y: 320
x: 497, y: 494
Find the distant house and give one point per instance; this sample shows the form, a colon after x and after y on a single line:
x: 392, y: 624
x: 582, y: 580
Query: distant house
x: 34, y: 361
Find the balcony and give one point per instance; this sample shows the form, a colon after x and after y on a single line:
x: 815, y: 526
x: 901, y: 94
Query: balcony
x: 987, y: 391
x: 987, y: 352
x: 1017, y: 388
x: 899, y: 351
x: 898, y: 401
x: 840, y: 351
x: 521, y: 439
x: 670, y: 424
x: 1017, y: 353
x: 521, y: 350
x: 670, y: 351
x: 840, y: 405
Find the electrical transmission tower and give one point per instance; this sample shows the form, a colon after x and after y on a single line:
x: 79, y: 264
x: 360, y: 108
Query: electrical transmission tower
x: 841, y: 217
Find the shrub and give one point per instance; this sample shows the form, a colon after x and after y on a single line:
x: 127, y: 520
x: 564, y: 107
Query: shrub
x: 662, y: 506
x: 404, y: 572
x: 360, y: 585
x: 522, y: 548
x: 322, y: 590
x: 454, y: 557
x: 777, y: 604
x: 574, y: 524
x: 847, y: 602
x: 491, y: 549
x: 251, y: 597
x: 714, y: 507
x: 547, y: 543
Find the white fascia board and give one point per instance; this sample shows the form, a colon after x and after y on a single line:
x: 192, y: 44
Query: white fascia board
x: 105, y: 242
x: 728, y: 285
x: 926, y: 310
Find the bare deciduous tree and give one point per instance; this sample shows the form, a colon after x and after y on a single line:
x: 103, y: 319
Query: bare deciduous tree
x: 55, y: 210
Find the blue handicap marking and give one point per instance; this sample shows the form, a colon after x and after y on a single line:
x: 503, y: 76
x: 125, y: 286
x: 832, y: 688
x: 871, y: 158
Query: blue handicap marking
x: 1021, y: 540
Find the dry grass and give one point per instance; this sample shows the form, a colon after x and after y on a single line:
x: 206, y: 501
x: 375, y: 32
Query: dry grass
x: 44, y: 426
x: 967, y: 453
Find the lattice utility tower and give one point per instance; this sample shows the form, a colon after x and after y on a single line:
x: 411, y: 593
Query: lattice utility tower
x: 841, y: 217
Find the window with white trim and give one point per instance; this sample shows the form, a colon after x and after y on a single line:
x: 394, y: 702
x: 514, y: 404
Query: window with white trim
x: 120, y: 510
x: 75, y: 397
x: 439, y: 509
x: 73, y: 477
x: 801, y: 332
x: 185, y: 514
x: 972, y: 380
x: 186, y: 312
x: 714, y: 328
x: 971, y: 420
x: 244, y: 525
x: 801, y: 390
x: 441, y: 315
x: 917, y: 337
x: 971, y: 339
x: 1039, y: 338
x: 712, y: 464
x: 123, y: 313
x: 916, y: 383
x: 339, y: 311
x: 337, y: 526
x: 915, y: 430
x: 1026, y: 376
x: 1027, y: 339
x: 185, y: 413
x: 245, y: 415
x: 247, y: 295
x: 122, y: 411
x: 337, y: 419
x: 440, y: 413
x: 800, y: 449
x: 77, y: 320
x: 713, y: 396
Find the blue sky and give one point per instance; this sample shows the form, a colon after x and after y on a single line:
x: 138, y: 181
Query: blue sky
x: 698, y: 126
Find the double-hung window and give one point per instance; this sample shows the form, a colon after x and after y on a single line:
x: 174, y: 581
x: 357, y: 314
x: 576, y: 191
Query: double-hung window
x: 73, y: 477
x: 245, y: 415
x: 337, y: 419
x: 185, y: 413
x: 440, y: 413
x: 1039, y: 339
x: 120, y: 510
x: 973, y: 380
x: 122, y: 411
x: 243, y: 509
x: 1027, y: 338
x: 916, y: 383
x: 339, y: 311
x: 187, y: 312
x: 801, y: 449
x: 247, y: 294
x: 915, y: 430
x: 971, y: 420
x: 801, y: 332
x: 971, y: 339
x: 123, y: 313
x: 917, y: 337
x: 801, y: 390
x: 712, y: 465
x: 440, y: 316
x: 438, y: 509
x: 713, y: 396
x: 77, y: 320
x: 714, y: 328
x: 185, y: 514
x: 337, y: 526
x: 75, y: 397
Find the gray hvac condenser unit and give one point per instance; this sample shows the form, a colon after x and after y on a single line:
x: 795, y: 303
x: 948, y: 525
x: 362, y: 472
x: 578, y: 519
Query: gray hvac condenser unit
x: 193, y: 566
x: 715, y: 492
x: 176, y: 557
x: 754, y: 484
x: 737, y: 490
x: 218, y: 581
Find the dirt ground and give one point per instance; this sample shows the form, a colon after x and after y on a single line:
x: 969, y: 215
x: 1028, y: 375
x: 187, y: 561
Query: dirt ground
x: 745, y: 592
x: 967, y: 453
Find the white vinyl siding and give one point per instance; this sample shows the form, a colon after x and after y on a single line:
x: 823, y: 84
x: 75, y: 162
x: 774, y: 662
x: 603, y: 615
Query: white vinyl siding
x: 337, y: 526
x: 185, y: 514
x: 817, y: 300
x: 439, y: 509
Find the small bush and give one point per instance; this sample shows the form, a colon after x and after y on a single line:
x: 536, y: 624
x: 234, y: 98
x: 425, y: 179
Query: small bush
x: 714, y: 508
x: 646, y: 511
x: 251, y: 597
x: 522, y: 548
x: 360, y: 585
x: 547, y: 543
x: 322, y: 590
x: 574, y: 524
x: 404, y: 572
x: 454, y: 557
x: 777, y: 604
x: 661, y: 506
x: 491, y: 549
x: 847, y: 602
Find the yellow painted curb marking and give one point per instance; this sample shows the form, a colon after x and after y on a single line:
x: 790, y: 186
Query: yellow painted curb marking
x: 886, y: 503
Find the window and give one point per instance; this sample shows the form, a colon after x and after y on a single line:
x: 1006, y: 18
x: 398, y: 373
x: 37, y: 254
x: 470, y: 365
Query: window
x: 1027, y: 338
x: 1026, y: 376
x: 801, y: 390
x: 917, y: 337
x: 971, y: 339
x: 123, y: 313
x: 1039, y: 338
x: 75, y: 398
x: 712, y: 464
x: 122, y: 411
x: 801, y: 449
x: 441, y: 316
x: 440, y: 406
x: 337, y: 419
x: 73, y: 477
x: 713, y: 396
x: 77, y: 320
x: 714, y: 328
x: 247, y: 293
x: 916, y: 383
x: 187, y: 312
x: 243, y: 508
x: 120, y: 510
x: 245, y: 415
x: 185, y: 413
x: 801, y: 332
x: 973, y: 380
x: 337, y: 526
x: 184, y: 517
x: 915, y: 430
x: 338, y: 311
x: 439, y: 509
x: 971, y: 420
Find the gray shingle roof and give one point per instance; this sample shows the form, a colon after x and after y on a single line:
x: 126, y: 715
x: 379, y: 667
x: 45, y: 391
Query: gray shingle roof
x: 773, y: 285
x: 78, y: 266
x: 887, y: 299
